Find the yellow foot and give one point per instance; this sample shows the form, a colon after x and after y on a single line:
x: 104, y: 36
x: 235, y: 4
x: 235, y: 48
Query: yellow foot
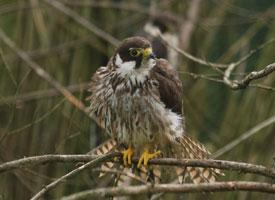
x: 146, y: 156
x: 127, y: 156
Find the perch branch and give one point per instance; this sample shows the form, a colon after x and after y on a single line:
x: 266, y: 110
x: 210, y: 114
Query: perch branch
x: 40, y: 160
x: 174, y: 188
x: 220, y: 164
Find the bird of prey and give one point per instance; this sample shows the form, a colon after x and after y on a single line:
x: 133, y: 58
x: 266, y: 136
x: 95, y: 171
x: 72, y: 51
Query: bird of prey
x: 165, y: 26
x: 137, y: 99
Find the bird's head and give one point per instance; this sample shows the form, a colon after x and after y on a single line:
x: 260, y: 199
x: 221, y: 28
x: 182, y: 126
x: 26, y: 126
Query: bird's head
x: 134, y: 56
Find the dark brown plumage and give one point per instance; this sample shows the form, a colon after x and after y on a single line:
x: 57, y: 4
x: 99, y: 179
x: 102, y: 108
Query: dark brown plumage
x: 170, y: 87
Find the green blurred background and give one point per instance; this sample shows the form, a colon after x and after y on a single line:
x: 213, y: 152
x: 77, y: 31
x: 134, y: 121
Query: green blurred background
x: 34, y: 123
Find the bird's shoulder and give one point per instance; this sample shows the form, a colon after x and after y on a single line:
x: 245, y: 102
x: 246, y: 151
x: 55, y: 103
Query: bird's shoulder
x: 170, y: 86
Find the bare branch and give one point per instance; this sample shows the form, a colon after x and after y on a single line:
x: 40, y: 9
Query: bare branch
x: 72, y: 173
x: 58, y: 49
x: 244, y: 136
x: 41, y: 72
x: 174, y: 188
x: 40, y: 160
x: 265, y: 87
x: 193, y: 58
x: 233, y: 84
x: 41, y: 94
x: 227, y: 165
x: 220, y: 164
x: 12, y: 7
x: 128, y: 6
x: 243, y: 83
x: 202, y: 76
x: 253, y: 51
x: 257, y: 75
x: 83, y: 22
x: 226, y: 77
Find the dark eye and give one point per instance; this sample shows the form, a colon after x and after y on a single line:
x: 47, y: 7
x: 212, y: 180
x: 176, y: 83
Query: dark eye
x: 134, y: 52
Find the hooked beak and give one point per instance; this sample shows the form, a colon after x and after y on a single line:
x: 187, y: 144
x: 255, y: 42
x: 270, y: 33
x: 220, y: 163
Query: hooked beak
x: 148, y: 53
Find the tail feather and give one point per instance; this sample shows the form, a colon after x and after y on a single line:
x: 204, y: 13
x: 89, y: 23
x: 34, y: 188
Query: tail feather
x: 156, y: 172
x: 195, y: 150
x: 122, y: 179
x: 181, y: 174
x: 188, y: 148
x: 102, y: 149
x: 152, y: 174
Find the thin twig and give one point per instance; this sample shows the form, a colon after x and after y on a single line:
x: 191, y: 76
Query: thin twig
x: 233, y: 84
x: 41, y: 94
x: 202, y: 76
x: 83, y: 22
x: 243, y: 83
x: 265, y: 87
x: 36, y: 121
x: 253, y: 51
x: 40, y: 160
x: 58, y: 49
x: 226, y: 77
x: 193, y: 58
x: 41, y: 72
x: 174, y: 188
x: 131, y: 7
x: 72, y: 173
x: 244, y: 136
x: 12, y: 7
x: 210, y: 78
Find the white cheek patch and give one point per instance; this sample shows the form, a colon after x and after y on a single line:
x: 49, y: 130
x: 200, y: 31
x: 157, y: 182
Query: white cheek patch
x: 124, y: 67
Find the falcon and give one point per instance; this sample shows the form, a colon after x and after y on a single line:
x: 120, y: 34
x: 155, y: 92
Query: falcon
x: 137, y: 99
x: 165, y: 26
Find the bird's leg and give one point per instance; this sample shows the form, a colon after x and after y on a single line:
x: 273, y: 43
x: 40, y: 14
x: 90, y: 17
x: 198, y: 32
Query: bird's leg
x: 127, y: 156
x: 146, y: 156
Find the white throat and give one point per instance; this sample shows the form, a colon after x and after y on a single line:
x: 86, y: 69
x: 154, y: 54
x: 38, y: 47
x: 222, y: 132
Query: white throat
x: 124, y: 67
x: 128, y: 70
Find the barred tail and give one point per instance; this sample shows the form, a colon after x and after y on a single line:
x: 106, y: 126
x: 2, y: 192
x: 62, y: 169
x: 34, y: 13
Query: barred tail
x: 102, y: 149
x: 194, y: 150
x: 122, y: 179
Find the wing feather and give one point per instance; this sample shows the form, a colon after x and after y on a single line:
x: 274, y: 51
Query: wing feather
x: 170, y: 86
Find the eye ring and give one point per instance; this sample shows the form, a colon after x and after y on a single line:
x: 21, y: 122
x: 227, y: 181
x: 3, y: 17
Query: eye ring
x: 134, y: 52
